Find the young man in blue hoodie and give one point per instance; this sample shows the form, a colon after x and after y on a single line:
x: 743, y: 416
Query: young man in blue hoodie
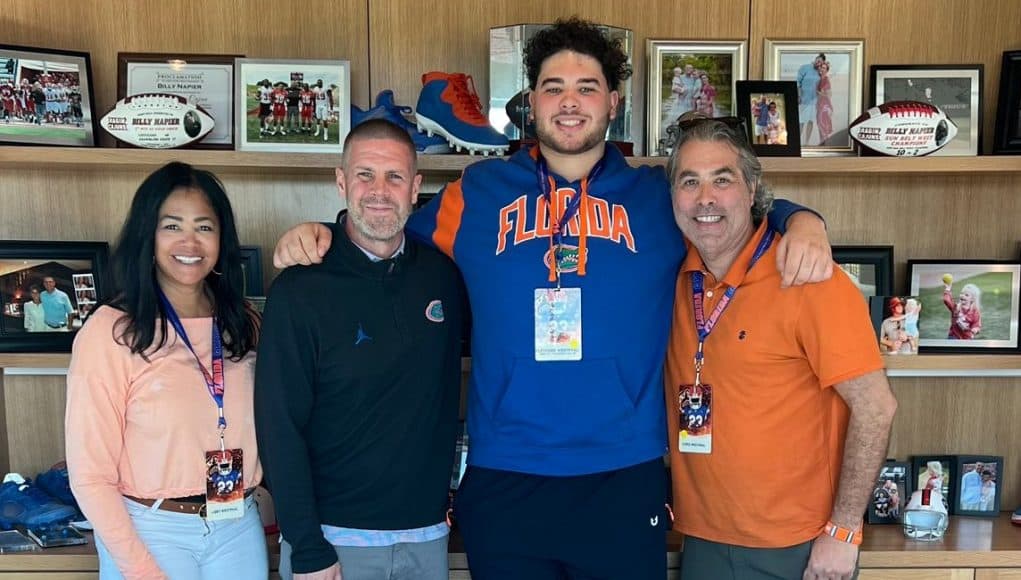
x: 569, y: 256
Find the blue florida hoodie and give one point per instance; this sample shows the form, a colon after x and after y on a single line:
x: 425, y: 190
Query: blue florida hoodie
x: 605, y: 411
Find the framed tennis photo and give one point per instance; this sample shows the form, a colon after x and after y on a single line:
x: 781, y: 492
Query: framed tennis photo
x: 968, y: 306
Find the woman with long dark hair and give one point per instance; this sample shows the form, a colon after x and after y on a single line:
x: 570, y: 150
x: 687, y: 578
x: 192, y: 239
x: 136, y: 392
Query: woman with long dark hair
x: 161, y: 445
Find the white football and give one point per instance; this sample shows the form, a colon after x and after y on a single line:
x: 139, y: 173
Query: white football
x: 157, y: 121
x: 903, y: 128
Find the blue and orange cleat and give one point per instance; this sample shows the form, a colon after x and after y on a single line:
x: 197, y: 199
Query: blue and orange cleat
x: 449, y: 106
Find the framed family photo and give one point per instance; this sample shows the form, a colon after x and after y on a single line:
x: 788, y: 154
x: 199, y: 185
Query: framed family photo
x: 689, y: 76
x: 265, y: 121
x: 829, y: 76
x: 206, y: 80
x: 897, y: 321
x: 869, y: 267
x: 770, y: 112
x: 46, y: 97
x: 46, y: 291
x: 978, y: 490
x: 968, y: 306
x: 955, y: 89
x: 890, y: 493
x: 1008, y: 109
x: 937, y: 473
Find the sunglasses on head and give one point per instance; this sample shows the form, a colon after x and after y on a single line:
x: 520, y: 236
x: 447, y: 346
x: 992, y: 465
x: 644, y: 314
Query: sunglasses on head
x: 736, y: 124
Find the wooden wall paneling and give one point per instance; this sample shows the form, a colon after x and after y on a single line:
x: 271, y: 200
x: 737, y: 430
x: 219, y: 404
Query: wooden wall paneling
x: 991, y: 574
x: 931, y: 32
x: 254, y: 28
x: 410, y: 37
x: 34, y: 413
x: 62, y: 205
x: 886, y: 574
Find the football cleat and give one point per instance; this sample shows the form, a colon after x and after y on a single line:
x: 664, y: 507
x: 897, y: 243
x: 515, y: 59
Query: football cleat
x: 389, y: 110
x: 23, y: 503
x: 449, y: 106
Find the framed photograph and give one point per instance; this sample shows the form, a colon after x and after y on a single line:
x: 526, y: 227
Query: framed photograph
x: 968, y: 306
x: 955, y: 89
x: 935, y: 472
x: 206, y: 80
x: 324, y: 96
x: 46, y: 291
x: 869, y: 267
x: 770, y: 110
x: 890, y: 494
x: 829, y: 75
x: 1008, y: 110
x: 251, y: 265
x: 978, y: 493
x: 46, y: 97
x: 689, y: 76
x: 896, y: 321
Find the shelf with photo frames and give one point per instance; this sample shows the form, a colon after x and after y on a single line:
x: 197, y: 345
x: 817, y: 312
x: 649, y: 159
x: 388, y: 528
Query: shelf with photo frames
x: 110, y: 158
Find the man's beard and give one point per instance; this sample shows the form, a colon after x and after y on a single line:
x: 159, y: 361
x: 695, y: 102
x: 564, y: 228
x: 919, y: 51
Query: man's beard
x: 382, y: 228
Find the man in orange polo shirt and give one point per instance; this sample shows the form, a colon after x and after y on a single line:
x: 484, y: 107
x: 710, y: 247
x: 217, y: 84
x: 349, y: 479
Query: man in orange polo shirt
x: 779, y: 409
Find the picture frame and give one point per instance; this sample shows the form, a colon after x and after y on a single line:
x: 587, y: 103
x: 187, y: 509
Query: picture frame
x: 676, y: 84
x: 251, y: 266
x: 206, y: 80
x: 332, y: 111
x: 77, y: 272
x: 60, y: 81
x: 830, y: 77
x: 869, y: 267
x: 979, y: 478
x: 956, y: 89
x: 993, y: 286
x: 890, y: 493
x: 896, y: 320
x: 777, y: 102
x: 1007, y: 136
x: 935, y: 471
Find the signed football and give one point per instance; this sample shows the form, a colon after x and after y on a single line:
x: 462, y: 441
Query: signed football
x: 903, y: 128
x: 157, y: 121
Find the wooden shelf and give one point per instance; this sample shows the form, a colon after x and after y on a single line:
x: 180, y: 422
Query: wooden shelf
x: 112, y: 158
x: 35, y: 360
x: 953, y: 365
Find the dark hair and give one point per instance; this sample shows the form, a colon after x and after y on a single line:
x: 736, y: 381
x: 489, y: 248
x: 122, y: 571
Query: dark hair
x: 579, y: 36
x: 133, y: 270
x: 380, y: 129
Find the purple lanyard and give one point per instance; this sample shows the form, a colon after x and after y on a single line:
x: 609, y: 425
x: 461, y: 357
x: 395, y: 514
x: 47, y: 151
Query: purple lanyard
x: 542, y: 174
x: 214, y: 380
x: 702, y: 326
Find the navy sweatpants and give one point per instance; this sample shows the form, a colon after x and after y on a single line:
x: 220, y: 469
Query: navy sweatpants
x: 605, y: 526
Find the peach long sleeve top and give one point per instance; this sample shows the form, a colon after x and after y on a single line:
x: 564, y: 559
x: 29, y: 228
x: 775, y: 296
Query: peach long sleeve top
x: 142, y: 428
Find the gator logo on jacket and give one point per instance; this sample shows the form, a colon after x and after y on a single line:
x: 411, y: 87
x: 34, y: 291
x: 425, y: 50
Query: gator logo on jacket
x: 434, y: 311
x: 520, y: 223
x: 568, y: 258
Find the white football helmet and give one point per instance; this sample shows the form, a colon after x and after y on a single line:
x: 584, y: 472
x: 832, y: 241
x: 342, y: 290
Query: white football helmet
x: 925, y: 517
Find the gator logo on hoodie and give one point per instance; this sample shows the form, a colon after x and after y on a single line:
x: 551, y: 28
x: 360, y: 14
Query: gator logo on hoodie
x: 568, y: 258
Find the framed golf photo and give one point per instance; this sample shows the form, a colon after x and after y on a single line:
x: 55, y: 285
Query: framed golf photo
x: 829, y: 75
x: 269, y: 118
x: 955, y: 89
x: 968, y: 306
x: 46, y: 97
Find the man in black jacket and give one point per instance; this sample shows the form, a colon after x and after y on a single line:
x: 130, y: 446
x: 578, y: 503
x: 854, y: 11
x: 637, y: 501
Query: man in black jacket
x: 358, y: 383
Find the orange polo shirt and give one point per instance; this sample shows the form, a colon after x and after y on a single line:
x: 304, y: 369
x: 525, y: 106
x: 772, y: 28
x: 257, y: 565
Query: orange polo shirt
x: 778, y: 429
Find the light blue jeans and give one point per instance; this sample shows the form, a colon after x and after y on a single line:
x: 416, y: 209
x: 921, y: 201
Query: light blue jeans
x: 187, y: 547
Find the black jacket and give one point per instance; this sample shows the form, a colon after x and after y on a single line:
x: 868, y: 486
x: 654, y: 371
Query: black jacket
x: 356, y: 394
